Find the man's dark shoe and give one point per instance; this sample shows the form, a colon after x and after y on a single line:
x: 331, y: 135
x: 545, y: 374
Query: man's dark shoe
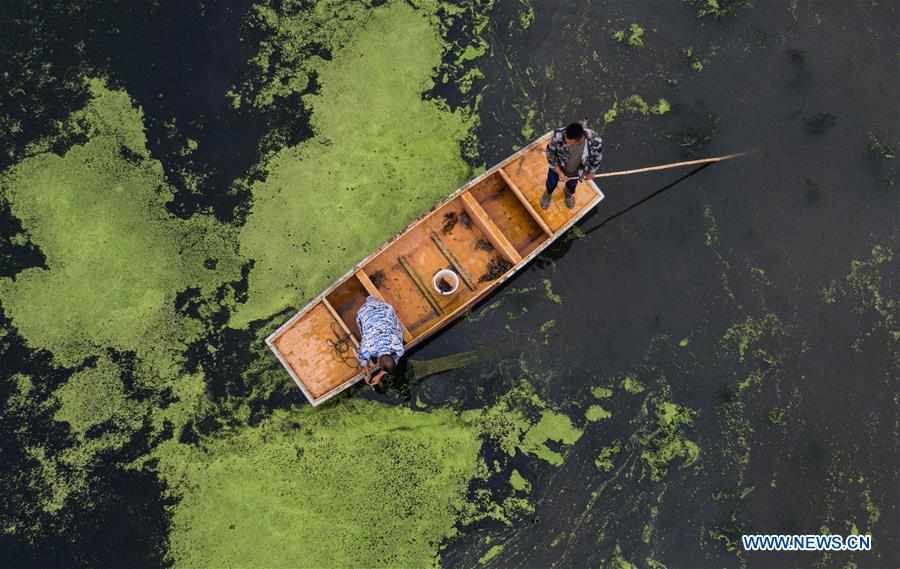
x: 570, y: 201
x: 545, y: 200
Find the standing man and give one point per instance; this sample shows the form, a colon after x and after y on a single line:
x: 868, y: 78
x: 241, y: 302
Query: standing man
x: 381, y: 344
x: 574, y: 153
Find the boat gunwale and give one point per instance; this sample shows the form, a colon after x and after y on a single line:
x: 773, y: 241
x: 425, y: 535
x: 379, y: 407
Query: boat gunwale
x: 442, y: 322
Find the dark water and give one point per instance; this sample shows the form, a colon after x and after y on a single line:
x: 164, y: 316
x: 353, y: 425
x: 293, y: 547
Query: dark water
x: 806, y: 85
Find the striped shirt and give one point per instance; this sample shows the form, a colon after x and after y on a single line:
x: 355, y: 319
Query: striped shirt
x: 380, y: 329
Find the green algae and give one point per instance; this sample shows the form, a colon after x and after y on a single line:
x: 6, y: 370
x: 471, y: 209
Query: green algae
x: 718, y: 8
x: 521, y: 421
x: 18, y: 399
x: 116, y: 261
x: 351, y: 485
x: 601, y: 392
x: 611, y: 114
x: 51, y: 477
x: 526, y: 16
x: 757, y: 341
x: 513, y: 316
x: 618, y: 560
x: 752, y: 380
x: 873, y: 512
x: 696, y: 62
x: 518, y: 482
x: 528, y: 124
x: 292, y: 33
x: 490, y: 554
x: 666, y: 442
x: 523, y: 310
x: 372, y: 167
x: 632, y: 384
x: 483, y: 504
x: 737, y: 433
x: 604, y: 460
x: 596, y: 413
x: 635, y: 105
x: 776, y: 416
x: 549, y: 72
x: 727, y: 540
x: 115, y: 257
x: 750, y: 332
x: 95, y: 398
x: 634, y: 36
x: 829, y: 293
x: 548, y: 292
x: 516, y: 507
x: 91, y: 397
x: 865, y: 282
x: 545, y: 329
x: 552, y: 426
x: 473, y: 52
x: 415, y: 466
x: 463, y: 25
x: 506, y: 422
x: 467, y: 81
x: 661, y: 107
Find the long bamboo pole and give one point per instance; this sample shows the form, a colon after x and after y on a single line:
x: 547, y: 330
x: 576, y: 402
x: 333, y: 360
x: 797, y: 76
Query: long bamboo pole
x: 672, y: 165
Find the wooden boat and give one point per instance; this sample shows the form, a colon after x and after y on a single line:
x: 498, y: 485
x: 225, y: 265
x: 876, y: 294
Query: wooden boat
x: 485, y: 232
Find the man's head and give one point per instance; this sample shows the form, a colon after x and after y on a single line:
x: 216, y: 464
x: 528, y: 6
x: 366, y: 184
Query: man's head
x: 574, y: 133
x: 387, y: 363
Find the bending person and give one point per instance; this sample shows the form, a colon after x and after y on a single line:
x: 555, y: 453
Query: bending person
x: 381, y: 345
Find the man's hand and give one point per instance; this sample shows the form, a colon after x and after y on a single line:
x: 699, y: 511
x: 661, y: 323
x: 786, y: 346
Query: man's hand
x: 560, y: 172
x: 588, y: 176
x: 376, y: 379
